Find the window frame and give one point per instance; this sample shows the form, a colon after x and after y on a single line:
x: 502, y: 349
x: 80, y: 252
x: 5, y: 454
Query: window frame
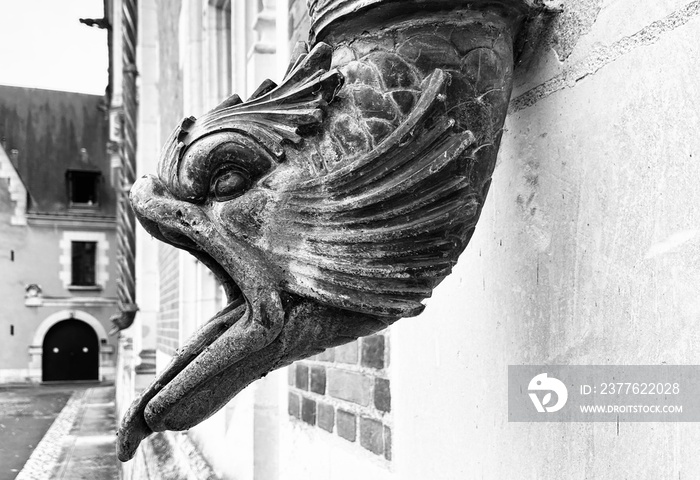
x: 102, y: 260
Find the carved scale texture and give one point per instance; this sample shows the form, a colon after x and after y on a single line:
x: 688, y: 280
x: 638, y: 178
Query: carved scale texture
x: 398, y: 176
x: 384, y: 73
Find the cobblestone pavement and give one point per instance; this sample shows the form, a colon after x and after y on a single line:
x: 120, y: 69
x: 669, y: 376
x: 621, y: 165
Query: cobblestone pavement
x: 26, y: 413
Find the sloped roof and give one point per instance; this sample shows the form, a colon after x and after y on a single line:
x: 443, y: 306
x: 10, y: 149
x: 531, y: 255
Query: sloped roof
x: 49, y: 129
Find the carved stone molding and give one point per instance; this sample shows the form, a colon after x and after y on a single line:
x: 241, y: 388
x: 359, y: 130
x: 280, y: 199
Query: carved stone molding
x: 331, y: 205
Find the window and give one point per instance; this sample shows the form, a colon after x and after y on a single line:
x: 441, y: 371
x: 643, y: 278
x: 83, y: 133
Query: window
x: 83, y: 188
x: 84, y: 260
x: 83, y: 256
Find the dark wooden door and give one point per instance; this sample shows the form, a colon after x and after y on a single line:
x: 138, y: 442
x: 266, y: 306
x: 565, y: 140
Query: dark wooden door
x: 71, y: 352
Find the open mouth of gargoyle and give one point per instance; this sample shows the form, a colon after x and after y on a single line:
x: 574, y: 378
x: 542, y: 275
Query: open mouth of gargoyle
x: 168, y: 403
x: 181, y: 241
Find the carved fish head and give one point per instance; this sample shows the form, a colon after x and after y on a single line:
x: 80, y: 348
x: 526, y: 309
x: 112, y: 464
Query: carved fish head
x: 310, y: 257
x: 208, y: 200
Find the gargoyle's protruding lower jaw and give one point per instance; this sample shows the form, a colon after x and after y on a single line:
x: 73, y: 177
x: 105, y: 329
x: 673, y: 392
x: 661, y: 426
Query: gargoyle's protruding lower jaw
x: 215, y: 364
x: 136, y: 425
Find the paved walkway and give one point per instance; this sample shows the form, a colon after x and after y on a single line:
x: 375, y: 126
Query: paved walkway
x: 26, y: 413
x: 80, y: 443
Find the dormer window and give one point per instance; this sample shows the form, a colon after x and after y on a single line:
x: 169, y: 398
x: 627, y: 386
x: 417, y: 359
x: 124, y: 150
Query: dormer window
x: 83, y: 188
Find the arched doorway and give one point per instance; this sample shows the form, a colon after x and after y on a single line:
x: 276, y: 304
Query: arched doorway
x: 70, y: 352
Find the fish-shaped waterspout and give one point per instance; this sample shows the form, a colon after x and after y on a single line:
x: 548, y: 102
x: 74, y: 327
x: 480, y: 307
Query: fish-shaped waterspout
x: 331, y: 205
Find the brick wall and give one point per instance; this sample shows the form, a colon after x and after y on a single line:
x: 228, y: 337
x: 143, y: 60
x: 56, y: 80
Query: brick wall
x: 346, y: 392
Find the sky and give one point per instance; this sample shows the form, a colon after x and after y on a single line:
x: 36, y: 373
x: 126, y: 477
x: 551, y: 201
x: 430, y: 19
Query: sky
x: 42, y: 45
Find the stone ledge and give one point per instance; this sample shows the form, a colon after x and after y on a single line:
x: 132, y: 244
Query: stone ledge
x: 169, y: 456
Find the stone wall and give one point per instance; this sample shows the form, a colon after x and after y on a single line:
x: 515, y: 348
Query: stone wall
x: 587, y: 252
x: 574, y: 259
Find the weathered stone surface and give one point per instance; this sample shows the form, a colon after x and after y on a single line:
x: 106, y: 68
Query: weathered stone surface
x: 387, y: 443
x: 331, y: 205
x: 382, y: 394
x: 373, y: 351
x: 308, y: 411
x: 423, y: 50
x: 350, y: 386
x: 327, y: 355
x: 294, y: 405
x: 360, y: 73
x: 348, y: 353
x: 326, y: 416
x: 396, y: 73
x: 318, y: 380
x: 405, y: 100
x: 291, y: 375
x: 347, y: 425
x: 373, y: 104
x: 302, y: 377
x: 372, y: 435
x: 350, y: 137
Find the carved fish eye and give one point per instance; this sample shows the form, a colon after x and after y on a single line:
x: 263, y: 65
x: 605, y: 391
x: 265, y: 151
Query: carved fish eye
x: 230, y: 183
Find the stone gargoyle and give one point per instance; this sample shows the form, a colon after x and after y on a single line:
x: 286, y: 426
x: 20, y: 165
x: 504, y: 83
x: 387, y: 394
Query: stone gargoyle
x: 331, y: 205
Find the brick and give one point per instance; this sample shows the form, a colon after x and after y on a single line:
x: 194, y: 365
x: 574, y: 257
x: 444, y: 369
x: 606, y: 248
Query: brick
x: 373, y: 352
x: 372, y: 435
x: 327, y: 355
x: 302, y: 376
x: 346, y: 353
x: 325, y: 416
x: 350, y: 386
x: 318, y: 380
x: 346, y: 425
x: 382, y: 394
x: 308, y: 411
x: 387, y: 443
x: 291, y: 378
x: 293, y: 405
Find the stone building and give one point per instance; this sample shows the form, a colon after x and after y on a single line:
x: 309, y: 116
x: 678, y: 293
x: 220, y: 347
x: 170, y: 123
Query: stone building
x: 57, y: 225
x: 587, y: 252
